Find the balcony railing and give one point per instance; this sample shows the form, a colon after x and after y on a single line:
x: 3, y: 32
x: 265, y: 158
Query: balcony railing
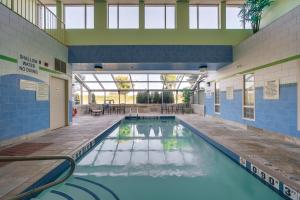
x: 38, y: 14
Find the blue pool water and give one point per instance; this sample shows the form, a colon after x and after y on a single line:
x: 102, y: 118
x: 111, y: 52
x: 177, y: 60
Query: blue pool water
x: 150, y: 159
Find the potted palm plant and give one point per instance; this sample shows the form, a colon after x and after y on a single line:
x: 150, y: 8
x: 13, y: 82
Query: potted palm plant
x: 252, y: 11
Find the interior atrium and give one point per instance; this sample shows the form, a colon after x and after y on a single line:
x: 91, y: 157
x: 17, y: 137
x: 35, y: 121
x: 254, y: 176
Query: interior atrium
x: 150, y: 99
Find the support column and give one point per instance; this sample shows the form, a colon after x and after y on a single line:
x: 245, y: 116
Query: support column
x: 182, y: 13
x: 142, y: 14
x: 222, y: 15
x: 100, y: 14
x: 59, y: 12
x: 81, y: 95
x: 298, y: 96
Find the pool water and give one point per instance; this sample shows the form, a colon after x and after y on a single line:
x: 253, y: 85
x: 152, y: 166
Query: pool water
x: 155, y: 159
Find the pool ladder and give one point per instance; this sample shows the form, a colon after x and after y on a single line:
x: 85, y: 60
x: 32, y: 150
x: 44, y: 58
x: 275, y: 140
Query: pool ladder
x: 137, y: 111
x: 32, y: 158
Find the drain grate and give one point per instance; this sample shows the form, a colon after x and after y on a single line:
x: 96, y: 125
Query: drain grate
x: 23, y: 149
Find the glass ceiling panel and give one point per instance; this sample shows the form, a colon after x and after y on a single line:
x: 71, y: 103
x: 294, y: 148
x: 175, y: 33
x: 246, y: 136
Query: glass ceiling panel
x: 109, y: 86
x: 185, y: 85
x: 87, y: 77
x: 121, y: 77
x: 155, y: 85
x: 94, y: 86
x: 138, y: 77
x: 140, y: 85
x: 190, y: 77
x: 104, y: 77
x: 155, y: 77
x: 138, y: 81
x: 172, y: 77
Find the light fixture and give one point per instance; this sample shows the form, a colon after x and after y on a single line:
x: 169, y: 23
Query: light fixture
x: 98, y: 67
x: 203, y: 68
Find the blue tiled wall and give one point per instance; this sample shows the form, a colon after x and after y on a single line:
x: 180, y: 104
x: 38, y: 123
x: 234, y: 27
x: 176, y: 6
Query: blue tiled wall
x: 209, y: 102
x: 273, y: 115
x: 20, y: 112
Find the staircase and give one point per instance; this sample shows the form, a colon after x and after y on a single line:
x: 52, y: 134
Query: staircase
x: 78, y: 188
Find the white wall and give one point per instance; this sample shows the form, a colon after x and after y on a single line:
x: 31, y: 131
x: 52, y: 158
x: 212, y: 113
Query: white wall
x: 21, y: 113
x: 277, y: 46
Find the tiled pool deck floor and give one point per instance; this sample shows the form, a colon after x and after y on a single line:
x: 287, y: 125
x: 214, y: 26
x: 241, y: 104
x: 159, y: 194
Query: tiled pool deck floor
x: 276, y: 155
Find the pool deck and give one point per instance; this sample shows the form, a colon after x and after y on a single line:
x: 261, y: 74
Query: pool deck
x: 17, y: 176
x: 277, y: 155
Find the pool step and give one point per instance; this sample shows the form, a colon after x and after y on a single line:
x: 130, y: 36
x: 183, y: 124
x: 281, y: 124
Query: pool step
x: 78, y: 188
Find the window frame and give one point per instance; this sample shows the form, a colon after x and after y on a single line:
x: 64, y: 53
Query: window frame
x: 165, y: 16
x: 244, y: 92
x: 118, y: 16
x: 204, y: 5
x: 244, y: 21
x: 85, y: 14
x: 219, y: 98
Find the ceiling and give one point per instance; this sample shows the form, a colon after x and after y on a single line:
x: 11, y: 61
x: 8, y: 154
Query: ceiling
x: 146, y: 1
x: 191, y: 68
x: 137, y: 82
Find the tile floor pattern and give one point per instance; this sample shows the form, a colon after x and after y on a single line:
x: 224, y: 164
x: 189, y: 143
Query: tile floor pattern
x: 270, y: 152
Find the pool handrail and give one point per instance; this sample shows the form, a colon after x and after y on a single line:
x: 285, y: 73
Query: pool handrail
x: 44, y: 157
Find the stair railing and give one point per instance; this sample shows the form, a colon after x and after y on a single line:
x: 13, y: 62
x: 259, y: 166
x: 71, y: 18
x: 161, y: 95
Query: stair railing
x: 46, y: 186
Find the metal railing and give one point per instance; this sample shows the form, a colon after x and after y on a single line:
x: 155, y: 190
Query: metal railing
x: 38, y: 14
x: 33, y: 158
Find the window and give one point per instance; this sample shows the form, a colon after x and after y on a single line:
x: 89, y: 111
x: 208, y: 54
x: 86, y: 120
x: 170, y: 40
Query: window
x: 203, y: 17
x: 52, y: 8
x: 217, y: 97
x: 160, y: 17
x: 79, y: 16
x: 123, y: 17
x: 233, y: 20
x: 249, y: 97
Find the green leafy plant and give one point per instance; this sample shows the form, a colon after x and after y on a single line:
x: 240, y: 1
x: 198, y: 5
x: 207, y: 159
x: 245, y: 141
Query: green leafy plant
x: 186, y: 93
x: 93, y: 98
x: 124, y: 131
x: 252, y: 12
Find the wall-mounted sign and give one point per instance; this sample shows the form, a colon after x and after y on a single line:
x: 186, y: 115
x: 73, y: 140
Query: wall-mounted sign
x: 229, y: 93
x: 42, y: 92
x: 271, y: 89
x: 28, y: 64
x: 27, y: 85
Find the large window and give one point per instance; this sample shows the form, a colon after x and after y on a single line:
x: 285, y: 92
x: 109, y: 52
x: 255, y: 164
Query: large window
x: 159, y: 16
x: 217, y: 97
x: 249, y: 97
x: 79, y: 16
x: 123, y: 17
x: 203, y: 17
x: 233, y: 20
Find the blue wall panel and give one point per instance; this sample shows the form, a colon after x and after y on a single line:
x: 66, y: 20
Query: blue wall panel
x: 20, y: 112
x: 231, y: 109
x: 209, y: 102
x: 272, y: 115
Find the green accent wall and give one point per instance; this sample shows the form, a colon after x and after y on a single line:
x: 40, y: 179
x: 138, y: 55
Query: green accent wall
x: 156, y: 37
x: 278, y: 9
x: 181, y: 35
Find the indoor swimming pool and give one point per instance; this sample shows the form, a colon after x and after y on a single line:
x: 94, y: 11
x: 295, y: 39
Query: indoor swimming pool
x: 147, y: 159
